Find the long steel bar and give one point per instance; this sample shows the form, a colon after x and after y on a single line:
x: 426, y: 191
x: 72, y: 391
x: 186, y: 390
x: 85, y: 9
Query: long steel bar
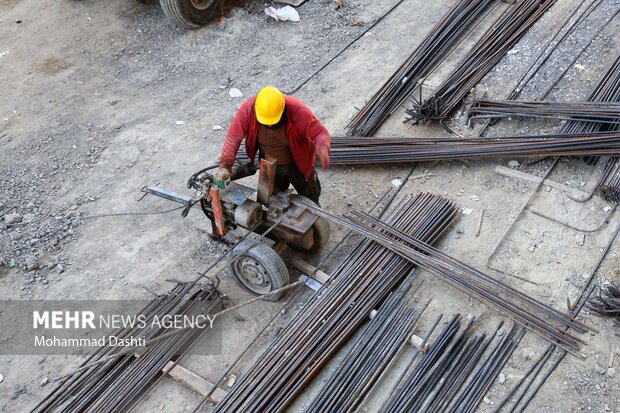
x: 606, y: 113
x: 453, y: 272
x: 348, y: 151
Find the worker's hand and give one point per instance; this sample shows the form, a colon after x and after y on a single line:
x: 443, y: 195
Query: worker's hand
x: 221, y: 177
x: 322, y: 152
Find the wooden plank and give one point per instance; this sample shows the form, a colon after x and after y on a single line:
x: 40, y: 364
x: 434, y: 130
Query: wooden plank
x: 512, y: 173
x: 309, y: 270
x: 193, y: 381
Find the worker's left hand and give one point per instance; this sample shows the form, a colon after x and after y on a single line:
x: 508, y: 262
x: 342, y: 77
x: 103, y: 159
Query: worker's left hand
x: 322, y: 152
x: 221, y: 177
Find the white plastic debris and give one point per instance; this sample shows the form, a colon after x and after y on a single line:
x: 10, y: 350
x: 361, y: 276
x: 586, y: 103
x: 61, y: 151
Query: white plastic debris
x: 4, y: 53
x: 286, y: 13
x: 1, y: 378
x: 579, y: 67
x: 474, y: 197
x: 397, y: 182
x: 217, y: 127
x: 179, y: 122
x: 235, y: 93
x: 467, y: 211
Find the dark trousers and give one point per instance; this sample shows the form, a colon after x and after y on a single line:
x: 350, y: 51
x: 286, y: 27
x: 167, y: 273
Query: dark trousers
x: 289, y: 175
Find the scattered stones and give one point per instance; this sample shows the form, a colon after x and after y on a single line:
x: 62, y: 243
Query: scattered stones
x: 18, y: 390
x: 235, y: 93
x: 44, y: 381
x: 223, y: 83
x: 580, y: 239
x: 28, y: 218
x: 514, y: 164
x: 32, y: 263
x: 611, y: 372
x: 13, y: 218
x: 502, y: 378
x: 459, y: 233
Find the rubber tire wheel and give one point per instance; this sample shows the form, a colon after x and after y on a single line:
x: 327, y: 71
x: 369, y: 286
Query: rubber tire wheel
x: 185, y: 14
x: 320, y: 228
x: 266, y: 257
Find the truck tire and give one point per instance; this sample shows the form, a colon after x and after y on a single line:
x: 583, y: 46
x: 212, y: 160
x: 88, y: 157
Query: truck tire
x: 191, y: 14
x: 258, y: 268
x: 320, y: 228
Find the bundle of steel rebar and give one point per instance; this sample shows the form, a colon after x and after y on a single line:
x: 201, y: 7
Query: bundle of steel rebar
x: 410, y: 392
x: 380, y: 342
x: 444, y: 380
x: 474, y: 391
x: 348, y: 151
x: 609, y: 182
x: 121, y: 378
x: 333, y: 314
x: 604, y: 113
x: 520, y: 307
x: 608, y: 301
x: 425, y: 58
x: 606, y: 90
x: 484, y: 55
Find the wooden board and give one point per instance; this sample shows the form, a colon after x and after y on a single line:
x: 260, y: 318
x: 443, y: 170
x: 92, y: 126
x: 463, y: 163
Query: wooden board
x: 193, y: 381
x: 512, y: 173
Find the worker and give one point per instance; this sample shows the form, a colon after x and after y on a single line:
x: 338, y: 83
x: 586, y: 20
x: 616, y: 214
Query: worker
x: 283, y: 128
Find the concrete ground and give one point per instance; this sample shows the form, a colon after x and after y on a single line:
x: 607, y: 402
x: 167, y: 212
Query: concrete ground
x: 100, y: 98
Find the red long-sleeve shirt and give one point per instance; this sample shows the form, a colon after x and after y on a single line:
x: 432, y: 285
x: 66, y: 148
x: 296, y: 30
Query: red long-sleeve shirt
x: 304, y: 131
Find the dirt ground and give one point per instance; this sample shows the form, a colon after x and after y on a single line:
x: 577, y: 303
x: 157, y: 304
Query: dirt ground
x: 100, y: 98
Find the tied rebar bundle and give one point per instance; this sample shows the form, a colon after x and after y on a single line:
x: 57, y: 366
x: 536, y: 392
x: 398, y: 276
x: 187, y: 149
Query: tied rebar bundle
x: 359, y: 284
x: 348, y: 151
x: 608, y: 302
x: 424, y: 59
x: 114, y: 380
x: 484, y: 55
x: 603, y: 113
x: 609, y: 181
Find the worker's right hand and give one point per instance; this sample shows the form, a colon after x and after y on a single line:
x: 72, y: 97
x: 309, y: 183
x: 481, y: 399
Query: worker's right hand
x: 221, y: 177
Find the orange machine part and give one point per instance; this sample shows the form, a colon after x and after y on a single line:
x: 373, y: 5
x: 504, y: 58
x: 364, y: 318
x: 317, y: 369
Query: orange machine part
x: 266, y: 180
x: 218, y: 213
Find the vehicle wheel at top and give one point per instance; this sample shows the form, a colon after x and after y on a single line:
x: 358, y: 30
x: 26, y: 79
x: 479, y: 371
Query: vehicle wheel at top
x: 191, y: 14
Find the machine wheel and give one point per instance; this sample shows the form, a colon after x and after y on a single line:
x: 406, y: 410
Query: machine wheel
x: 320, y: 229
x: 191, y: 14
x: 259, y: 269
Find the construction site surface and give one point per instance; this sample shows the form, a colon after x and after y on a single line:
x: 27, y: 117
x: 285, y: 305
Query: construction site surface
x: 461, y: 271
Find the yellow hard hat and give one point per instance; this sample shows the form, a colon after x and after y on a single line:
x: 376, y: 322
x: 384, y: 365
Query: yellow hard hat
x: 269, y: 105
